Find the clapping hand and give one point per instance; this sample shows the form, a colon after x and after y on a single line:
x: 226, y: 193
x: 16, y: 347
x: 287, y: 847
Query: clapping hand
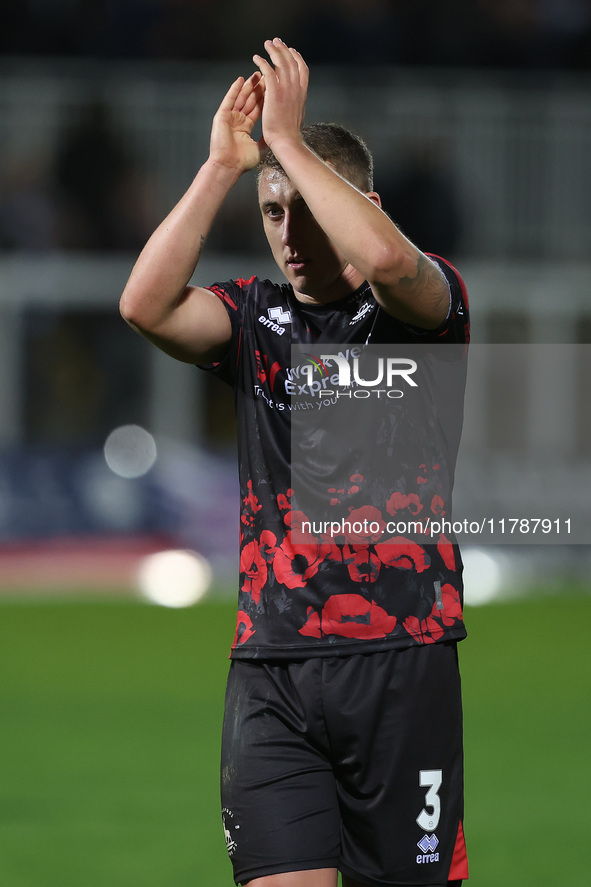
x: 231, y: 143
x: 285, y: 92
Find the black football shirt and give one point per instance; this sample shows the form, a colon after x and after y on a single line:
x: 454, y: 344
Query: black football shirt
x: 313, y: 593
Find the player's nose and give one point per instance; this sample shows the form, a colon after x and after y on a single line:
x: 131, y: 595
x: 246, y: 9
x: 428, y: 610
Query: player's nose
x: 288, y: 231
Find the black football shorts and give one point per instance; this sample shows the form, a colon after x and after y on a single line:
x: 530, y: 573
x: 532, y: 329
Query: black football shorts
x: 351, y: 762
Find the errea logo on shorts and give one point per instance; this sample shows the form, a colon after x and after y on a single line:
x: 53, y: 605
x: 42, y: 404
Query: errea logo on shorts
x: 276, y: 316
x: 428, y: 844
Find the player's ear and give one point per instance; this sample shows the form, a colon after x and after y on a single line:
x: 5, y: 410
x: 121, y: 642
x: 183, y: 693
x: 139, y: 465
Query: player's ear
x: 374, y: 197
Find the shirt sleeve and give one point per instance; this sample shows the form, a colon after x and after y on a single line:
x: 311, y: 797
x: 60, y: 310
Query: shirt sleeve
x: 232, y: 294
x: 456, y: 326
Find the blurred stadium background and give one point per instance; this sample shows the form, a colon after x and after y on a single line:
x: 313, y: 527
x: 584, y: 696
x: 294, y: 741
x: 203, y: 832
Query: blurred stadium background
x: 479, y: 117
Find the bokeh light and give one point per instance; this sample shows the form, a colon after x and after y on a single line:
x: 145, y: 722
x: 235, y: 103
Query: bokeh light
x: 130, y: 451
x: 175, y: 578
x: 482, y: 576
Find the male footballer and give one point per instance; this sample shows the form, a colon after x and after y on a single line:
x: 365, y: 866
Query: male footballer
x: 342, y: 739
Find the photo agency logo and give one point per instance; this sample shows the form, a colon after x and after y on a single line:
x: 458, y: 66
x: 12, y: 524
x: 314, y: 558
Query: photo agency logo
x: 355, y: 373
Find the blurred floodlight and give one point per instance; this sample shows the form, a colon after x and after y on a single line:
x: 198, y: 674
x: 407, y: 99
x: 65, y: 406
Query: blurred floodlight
x: 174, y: 578
x: 130, y: 451
x: 482, y: 576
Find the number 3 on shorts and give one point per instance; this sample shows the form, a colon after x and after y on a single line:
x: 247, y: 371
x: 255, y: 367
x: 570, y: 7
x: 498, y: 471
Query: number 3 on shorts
x: 432, y: 780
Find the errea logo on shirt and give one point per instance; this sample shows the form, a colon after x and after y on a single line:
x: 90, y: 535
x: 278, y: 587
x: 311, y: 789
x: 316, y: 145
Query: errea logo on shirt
x: 279, y: 315
x: 276, y: 316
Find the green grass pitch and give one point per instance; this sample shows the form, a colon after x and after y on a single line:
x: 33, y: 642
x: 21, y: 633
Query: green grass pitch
x: 110, y: 717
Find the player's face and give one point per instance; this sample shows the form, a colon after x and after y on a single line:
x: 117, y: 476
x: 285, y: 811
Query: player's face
x: 301, y: 249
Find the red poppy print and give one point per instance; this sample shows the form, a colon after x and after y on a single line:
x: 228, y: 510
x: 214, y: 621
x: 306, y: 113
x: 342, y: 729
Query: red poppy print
x: 355, y: 479
x: 364, y: 525
x: 437, y: 505
x: 254, y: 566
x: 250, y: 506
x: 283, y: 502
x: 445, y: 613
x: 403, y: 554
x: 350, y: 616
x: 268, y: 545
x: 244, y: 629
x: 362, y: 563
x: 425, y: 631
x: 251, y: 500
x: 301, y: 535
x: 293, y: 565
x: 400, y: 501
x: 312, y: 626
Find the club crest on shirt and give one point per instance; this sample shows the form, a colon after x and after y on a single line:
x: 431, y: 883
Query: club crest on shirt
x: 363, y: 310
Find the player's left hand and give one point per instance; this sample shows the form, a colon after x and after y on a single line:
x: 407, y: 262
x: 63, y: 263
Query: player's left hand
x: 286, y: 90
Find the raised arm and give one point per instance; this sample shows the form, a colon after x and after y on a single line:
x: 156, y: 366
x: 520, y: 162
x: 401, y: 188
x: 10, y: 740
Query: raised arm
x: 189, y: 322
x: 404, y: 281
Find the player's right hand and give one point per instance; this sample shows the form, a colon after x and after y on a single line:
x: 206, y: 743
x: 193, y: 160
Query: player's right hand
x: 231, y: 144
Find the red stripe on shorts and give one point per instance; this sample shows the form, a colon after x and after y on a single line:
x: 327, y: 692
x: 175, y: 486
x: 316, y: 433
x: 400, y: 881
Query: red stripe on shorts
x: 459, y: 862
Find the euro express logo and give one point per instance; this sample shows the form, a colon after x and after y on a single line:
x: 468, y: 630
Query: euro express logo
x: 355, y: 380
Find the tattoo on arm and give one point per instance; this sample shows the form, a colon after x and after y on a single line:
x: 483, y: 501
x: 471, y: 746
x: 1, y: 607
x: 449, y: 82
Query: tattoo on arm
x: 428, y: 285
